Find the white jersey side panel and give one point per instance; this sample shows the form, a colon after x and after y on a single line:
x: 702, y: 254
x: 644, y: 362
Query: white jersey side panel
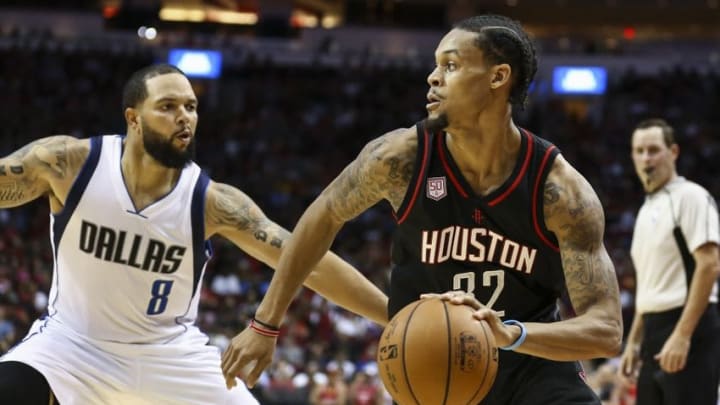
x: 124, y: 275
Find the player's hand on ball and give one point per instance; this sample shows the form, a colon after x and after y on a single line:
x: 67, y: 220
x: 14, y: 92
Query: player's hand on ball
x: 504, y: 334
x: 248, y: 354
x: 457, y: 297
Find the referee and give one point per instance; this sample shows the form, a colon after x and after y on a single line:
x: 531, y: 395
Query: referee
x: 674, y: 340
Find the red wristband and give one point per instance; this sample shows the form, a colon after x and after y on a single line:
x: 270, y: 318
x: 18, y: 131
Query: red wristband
x: 263, y: 329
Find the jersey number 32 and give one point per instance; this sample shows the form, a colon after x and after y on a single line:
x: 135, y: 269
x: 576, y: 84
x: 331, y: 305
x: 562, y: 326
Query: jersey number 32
x: 493, y: 279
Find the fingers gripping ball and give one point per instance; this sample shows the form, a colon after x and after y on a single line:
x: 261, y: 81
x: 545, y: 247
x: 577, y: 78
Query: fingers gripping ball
x: 434, y: 352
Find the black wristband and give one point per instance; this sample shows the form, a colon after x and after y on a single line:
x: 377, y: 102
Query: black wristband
x: 266, y: 325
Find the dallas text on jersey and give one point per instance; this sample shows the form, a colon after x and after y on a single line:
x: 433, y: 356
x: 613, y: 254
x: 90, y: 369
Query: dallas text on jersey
x: 109, y: 245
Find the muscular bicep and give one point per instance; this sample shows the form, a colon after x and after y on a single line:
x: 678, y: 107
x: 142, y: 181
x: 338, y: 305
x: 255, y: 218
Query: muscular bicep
x: 382, y: 171
x: 43, y: 166
x: 574, y: 213
x: 232, y: 214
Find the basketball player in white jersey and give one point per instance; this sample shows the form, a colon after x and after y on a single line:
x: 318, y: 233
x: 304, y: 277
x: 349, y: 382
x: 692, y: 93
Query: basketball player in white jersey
x: 131, y: 217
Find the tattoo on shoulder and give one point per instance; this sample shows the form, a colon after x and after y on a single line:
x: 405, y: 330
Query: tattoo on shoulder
x: 51, y: 153
x: 232, y: 208
x: 26, y: 173
x: 383, y: 170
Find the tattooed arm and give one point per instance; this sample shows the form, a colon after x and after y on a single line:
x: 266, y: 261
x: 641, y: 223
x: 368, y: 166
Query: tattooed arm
x: 381, y: 171
x: 574, y: 214
x: 232, y: 214
x: 47, y: 166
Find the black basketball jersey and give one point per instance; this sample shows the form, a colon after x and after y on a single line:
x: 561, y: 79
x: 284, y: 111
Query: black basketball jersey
x: 495, y: 246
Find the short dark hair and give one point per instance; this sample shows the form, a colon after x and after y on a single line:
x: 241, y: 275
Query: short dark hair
x: 135, y: 90
x: 503, y: 40
x: 668, y: 132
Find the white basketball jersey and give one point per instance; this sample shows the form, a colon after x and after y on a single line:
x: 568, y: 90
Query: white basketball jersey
x: 124, y: 275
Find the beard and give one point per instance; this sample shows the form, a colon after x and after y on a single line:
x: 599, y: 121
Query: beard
x: 163, y: 150
x: 438, y: 123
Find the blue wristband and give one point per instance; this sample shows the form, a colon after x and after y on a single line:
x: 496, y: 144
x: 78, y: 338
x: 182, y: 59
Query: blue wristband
x: 521, y: 339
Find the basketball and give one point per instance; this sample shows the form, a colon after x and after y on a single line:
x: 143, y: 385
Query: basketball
x: 434, y: 352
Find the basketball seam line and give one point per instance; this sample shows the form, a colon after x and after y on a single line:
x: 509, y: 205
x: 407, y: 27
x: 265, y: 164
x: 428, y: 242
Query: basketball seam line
x: 407, y: 378
x: 449, y: 365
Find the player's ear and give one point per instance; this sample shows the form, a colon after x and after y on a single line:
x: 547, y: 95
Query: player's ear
x: 132, y: 118
x: 500, y: 75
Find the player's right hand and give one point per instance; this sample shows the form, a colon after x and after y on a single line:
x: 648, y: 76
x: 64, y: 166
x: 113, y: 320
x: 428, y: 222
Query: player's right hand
x: 629, y: 364
x: 248, y: 354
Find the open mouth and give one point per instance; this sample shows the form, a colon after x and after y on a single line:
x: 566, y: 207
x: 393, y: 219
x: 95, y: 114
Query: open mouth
x: 433, y: 101
x: 432, y: 105
x: 184, y: 136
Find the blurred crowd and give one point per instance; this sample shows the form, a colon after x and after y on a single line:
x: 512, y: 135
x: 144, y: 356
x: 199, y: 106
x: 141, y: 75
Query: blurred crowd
x: 281, y: 133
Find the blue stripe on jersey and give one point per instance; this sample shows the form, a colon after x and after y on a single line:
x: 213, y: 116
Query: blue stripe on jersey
x: 77, y: 189
x: 201, y: 249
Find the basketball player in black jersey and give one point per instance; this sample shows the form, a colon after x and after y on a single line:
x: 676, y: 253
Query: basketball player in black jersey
x: 483, y: 208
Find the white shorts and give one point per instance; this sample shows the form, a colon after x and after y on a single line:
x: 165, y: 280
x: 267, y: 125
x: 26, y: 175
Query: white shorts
x: 81, y: 372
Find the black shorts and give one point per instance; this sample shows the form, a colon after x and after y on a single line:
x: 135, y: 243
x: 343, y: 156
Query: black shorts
x: 528, y: 380
x: 697, y: 383
x: 21, y: 384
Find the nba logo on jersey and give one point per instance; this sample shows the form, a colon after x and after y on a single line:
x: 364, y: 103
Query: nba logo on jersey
x: 436, y: 188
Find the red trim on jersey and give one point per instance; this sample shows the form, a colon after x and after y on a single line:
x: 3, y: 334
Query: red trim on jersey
x: 448, y: 170
x: 521, y: 174
x: 535, y: 198
x: 420, y: 179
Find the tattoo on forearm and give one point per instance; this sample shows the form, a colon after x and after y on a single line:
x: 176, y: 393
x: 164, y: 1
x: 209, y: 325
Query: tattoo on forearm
x: 9, y: 191
x: 232, y: 208
x: 261, y: 235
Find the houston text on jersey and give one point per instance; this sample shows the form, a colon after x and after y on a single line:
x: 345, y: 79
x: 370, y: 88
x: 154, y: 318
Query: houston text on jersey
x: 476, y: 245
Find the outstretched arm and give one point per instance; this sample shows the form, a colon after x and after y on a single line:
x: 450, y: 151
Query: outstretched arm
x: 379, y: 172
x: 232, y: 214
x: 573, y: 212
x: 46, y: 166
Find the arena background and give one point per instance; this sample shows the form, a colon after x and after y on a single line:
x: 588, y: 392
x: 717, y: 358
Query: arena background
x: 303, y: 85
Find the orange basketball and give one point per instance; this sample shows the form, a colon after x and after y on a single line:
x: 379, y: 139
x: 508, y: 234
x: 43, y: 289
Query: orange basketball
x: 433, y: 352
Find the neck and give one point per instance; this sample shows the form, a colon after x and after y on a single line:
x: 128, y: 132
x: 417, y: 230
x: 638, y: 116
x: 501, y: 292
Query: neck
x: 672, y: 177
x: 485, y: 152
x: 145, y: 179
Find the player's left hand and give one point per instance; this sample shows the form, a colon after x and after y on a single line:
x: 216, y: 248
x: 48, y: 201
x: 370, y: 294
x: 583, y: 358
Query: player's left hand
x: 505, y: 335
x: 673, y: 356
x: 248, y: 354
